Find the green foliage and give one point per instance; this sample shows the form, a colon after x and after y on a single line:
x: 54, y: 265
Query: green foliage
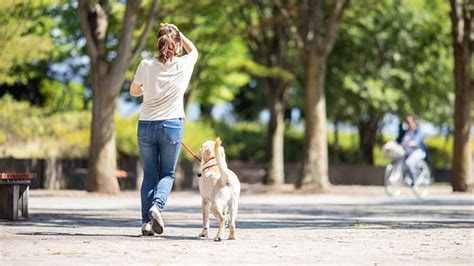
x: 25, y: 38
x: 195, y: 134
x: 219, y: 73
x: 14, y: 126
x: 217, y: 79
x: 293, y: 145
x: 39, y: 47
x: 439, y: 149
x: 62, y: 97
x: 392, y: 56
x: 242, y: 141
x: 261, y: 71
x: 126, y: 135
x: 28, y: 131
x: 247, y: 141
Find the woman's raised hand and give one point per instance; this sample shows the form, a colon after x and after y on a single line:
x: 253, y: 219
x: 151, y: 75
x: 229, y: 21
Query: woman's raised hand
x: 170, y: 25
x: 174, y: 26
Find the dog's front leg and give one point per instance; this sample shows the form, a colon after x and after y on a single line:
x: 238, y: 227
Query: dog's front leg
x: 205, y: 218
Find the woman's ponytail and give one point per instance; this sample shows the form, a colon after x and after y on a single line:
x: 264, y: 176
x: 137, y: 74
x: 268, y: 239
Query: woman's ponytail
x: 168, y: 42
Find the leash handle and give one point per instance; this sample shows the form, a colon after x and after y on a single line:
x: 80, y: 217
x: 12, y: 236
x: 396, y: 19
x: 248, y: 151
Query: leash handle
x: 191, y: 152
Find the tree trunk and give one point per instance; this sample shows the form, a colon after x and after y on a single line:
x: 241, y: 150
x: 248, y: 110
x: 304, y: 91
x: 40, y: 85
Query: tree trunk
x: 102, y: 152
x: 337, y: 145
x: 277, y: 96
x: 106, y: 80
x: 367, y: 137
x: 206, y: 112
x: 315, y: 165
x: 461, y: 164
x: 316, y: 47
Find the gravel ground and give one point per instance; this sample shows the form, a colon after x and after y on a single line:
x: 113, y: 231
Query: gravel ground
x: 348, y: 225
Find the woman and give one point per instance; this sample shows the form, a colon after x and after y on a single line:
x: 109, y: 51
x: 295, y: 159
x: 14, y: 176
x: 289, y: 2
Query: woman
x: 412, y: 142
x: 162, y: 81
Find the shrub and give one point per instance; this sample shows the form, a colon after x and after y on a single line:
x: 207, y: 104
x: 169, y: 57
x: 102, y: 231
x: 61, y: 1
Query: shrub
x: 196, y: 133
x: 28, y: 131
x: 31, y: 132
x: 242, y: 141
x: 126, y: 135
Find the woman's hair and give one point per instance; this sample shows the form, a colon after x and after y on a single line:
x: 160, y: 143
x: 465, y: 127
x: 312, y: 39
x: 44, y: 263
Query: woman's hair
x: 168, y: 42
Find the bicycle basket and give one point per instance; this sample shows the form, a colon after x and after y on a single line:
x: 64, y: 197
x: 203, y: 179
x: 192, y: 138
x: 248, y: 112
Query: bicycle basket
x: 393, y: 151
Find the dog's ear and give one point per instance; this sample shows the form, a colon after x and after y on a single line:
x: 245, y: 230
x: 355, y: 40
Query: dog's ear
x: 200, y: 155
x: 206, y: 154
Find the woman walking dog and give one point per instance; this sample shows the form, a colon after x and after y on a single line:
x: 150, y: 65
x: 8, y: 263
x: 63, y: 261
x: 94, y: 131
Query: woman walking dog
x: 162, y: 81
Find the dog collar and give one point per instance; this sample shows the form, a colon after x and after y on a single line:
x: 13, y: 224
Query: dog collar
x: 205, y: 164
x: 209, y: 160
x: 208, y: 167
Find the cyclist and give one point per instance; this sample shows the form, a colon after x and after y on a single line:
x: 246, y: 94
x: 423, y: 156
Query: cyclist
x: 411, y: 139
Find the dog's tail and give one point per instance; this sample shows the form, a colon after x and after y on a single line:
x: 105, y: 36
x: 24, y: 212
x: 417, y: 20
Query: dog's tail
x: 221, y: 162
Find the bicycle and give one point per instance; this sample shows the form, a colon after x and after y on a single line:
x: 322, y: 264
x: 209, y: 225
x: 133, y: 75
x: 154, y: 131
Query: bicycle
x: 396, y: 173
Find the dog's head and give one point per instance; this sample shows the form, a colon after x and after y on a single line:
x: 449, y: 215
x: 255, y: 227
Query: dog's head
x: 207, y: 151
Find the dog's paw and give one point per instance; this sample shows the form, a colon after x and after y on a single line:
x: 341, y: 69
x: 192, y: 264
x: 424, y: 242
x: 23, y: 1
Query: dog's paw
x: 204, y: 233
x: 217, y: 238
x: 232, y: 232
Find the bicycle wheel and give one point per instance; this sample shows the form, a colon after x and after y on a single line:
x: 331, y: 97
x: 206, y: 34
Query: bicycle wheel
x: 393, y: 179
x: 423, y: 180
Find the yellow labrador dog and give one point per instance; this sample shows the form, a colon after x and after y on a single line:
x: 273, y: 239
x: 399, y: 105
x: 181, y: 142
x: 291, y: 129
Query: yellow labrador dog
x: 219, y: 188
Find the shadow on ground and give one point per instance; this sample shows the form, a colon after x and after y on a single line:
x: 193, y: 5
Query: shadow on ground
x: 403, y: 214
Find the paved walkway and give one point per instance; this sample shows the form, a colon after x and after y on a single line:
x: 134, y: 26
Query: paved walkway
x: 350, y: 225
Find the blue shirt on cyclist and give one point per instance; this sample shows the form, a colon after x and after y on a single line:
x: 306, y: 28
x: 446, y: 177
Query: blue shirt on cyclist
x: 411, y: 139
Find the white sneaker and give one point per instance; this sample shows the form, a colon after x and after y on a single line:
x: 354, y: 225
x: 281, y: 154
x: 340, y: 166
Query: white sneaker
x: 146, y: 229
x: 157, y: 224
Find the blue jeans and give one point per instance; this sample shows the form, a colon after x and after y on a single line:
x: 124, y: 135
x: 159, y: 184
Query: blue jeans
x: 159, y: 143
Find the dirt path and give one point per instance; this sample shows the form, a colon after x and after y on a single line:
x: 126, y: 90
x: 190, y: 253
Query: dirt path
x: 347, y: 226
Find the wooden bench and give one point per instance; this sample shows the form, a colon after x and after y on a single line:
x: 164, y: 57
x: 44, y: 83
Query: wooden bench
x: 14, y: 195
